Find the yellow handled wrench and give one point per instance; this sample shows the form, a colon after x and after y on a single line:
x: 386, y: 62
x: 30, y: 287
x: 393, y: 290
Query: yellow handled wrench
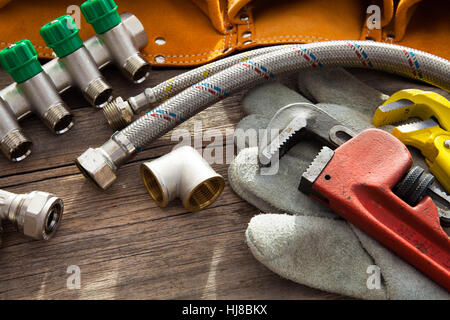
x: 427, y: 136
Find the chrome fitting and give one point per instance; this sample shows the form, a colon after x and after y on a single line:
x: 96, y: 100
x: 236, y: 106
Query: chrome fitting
x: 15, y: 145
x: 185, y: 174
x: 47, y: 103
x: 100, y: 52
x: 120, y: 113
x: 36, y: 214
x: 99, y: 165
x: 125, y: 53
x: 86, y: 75
x: 13, y: 142
x: 136, y: 68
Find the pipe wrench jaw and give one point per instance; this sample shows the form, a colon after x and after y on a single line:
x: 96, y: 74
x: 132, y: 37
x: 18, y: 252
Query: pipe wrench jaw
x: 295, y: 122
x: 357, y: 180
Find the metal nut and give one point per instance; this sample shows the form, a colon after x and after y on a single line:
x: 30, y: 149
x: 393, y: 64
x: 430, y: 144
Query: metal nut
x: 41, y: 214
x: 94, y: 166
x: 118, y: 113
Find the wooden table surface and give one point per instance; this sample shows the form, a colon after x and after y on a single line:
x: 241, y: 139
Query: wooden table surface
x: 126, y: 246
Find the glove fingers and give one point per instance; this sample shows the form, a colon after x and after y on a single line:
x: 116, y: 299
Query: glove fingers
x: 317, y: 252
x: 269, y: 98
x: 337, y: 86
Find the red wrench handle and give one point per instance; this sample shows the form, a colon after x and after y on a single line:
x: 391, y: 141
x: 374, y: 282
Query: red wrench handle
x: 357, y: 184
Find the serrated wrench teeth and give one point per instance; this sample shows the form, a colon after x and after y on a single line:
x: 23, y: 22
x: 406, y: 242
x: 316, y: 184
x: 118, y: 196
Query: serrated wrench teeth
x: 315, y: 169
x: 416, y: 126
x: 278, y: 145
x: 291, y: 123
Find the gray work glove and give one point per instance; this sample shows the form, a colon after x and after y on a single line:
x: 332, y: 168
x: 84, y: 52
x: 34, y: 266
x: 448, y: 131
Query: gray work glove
x: 302, y: 240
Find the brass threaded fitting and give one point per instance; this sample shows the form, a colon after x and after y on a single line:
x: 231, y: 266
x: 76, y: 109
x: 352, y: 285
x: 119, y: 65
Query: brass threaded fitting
x: 58, y: 118
x: 98, y: 92
x: 16, y: 146
x: 205, y: 193
x: 136, y: 68
x: 118, y: 113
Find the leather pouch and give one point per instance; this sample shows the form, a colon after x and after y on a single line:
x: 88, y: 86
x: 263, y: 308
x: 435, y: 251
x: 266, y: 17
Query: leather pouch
x: 198, y: 31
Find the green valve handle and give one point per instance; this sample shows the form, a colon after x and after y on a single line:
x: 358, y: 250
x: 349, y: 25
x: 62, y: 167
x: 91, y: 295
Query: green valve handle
x: 101, y: 14
x: 62, y: 36
x: 20, y: 60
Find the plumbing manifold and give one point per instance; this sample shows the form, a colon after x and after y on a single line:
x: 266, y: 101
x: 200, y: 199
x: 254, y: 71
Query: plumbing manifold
x: 37, y: 88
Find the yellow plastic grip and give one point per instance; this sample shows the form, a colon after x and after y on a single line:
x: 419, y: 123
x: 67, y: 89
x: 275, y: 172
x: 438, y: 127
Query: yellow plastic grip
x: 440, y: 167
x: 431, y: 141
x: 422, y: 104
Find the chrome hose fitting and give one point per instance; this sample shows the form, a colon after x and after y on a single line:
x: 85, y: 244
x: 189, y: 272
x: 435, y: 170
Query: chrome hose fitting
x: 36, y: 214
x: 185, y: 174
x: 120, y: 113
x: 103, y: 16
x: 100, y: 165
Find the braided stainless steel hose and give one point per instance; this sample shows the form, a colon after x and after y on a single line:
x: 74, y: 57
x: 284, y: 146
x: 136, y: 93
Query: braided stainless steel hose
x: 101, y: 164
x: 119, y: 113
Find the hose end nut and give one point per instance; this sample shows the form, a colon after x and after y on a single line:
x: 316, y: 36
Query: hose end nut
x: 16, y: 146
x: 41, y: 213
x: 118, y: 113
x: 96, y: 168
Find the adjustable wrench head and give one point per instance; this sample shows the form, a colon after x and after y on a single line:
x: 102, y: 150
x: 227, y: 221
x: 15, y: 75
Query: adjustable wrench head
x: 294, y: 122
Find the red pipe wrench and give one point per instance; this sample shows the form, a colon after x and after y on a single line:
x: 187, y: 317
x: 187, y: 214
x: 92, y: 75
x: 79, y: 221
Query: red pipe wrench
x: 356, y: 181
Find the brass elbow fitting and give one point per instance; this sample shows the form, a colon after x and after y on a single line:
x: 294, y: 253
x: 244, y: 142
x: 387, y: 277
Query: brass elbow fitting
x: 182, y: 173
x: 35, y: 214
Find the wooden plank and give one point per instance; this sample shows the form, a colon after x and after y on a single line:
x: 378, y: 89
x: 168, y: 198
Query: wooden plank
x: 127, y: 247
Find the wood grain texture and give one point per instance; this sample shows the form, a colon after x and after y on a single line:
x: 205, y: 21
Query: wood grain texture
x: 126, y: 246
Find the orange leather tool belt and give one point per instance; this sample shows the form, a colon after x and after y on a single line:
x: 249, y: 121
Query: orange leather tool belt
x: 187, y: 33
